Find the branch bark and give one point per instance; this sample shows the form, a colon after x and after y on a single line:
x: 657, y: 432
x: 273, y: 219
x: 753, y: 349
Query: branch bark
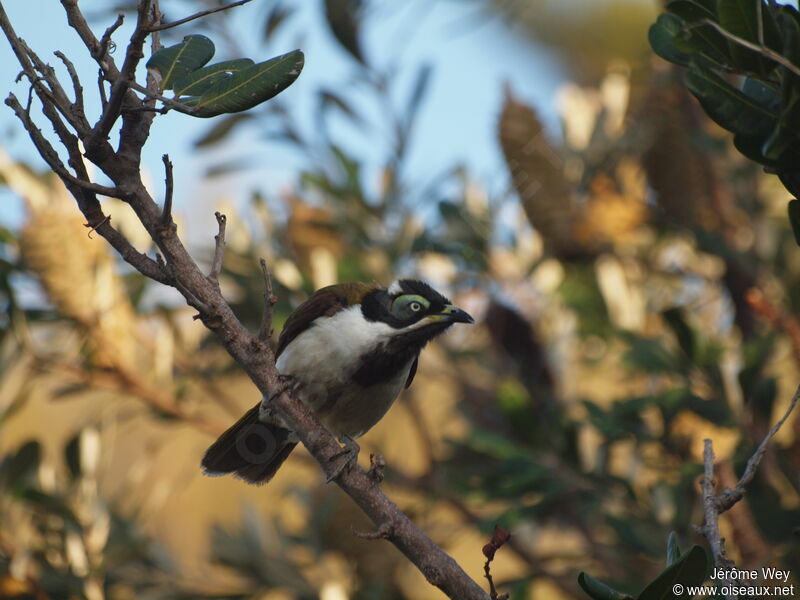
x: 179, y: 270
x: 714, y: 504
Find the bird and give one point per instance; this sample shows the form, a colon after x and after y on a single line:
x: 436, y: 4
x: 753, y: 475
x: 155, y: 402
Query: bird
x: 347, y: 352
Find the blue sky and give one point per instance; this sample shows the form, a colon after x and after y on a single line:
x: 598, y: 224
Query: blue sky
x: 471, y: 57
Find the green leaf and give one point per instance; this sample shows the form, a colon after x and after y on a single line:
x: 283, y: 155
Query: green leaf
x: 179, y: 60
x: 789, y: 23
x: 690, y: 569
x: 662, y: 36
x: 690, y: 11
x: 785, y: 131
x: 673, y: 551
x: 344, y: 21
x: 22, y: 464
x: 598, y: 590
x: 649, y: 355
x: 276, y: 17
x: 197, y: 82
x: 683, y: 333
x: 729, y: 107
x: 46, y: 502
x: 221, y: 129
x: 740, y: 17
x: 794, y: 218
x: 418, y: 93
x: 72, y: 455
x: 249, y: 87
x: 699, y: 38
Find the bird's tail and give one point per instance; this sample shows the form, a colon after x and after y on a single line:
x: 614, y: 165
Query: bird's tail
x: 250, y: 449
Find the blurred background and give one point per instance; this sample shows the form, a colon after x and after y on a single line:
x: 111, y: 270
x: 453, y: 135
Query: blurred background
x: 633, y: 277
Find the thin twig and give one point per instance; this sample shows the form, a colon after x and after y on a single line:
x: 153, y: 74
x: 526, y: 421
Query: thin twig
x: 265, y: 331
x: 219, y: 249
x: 487, y: 572
x: 105, y: 41
x: 142, y: 263
x: 121, y: 83
x: 49, y: 154
x: 761, y: 49
x: 730, y: 497
x: 76, y: 82
x: 166, y: 214
x: 101, y: 86
x: 155, y: 38
x: 198, y: 15
x: 759, y: 24
x: 716, y: 504
x: 180, y: 107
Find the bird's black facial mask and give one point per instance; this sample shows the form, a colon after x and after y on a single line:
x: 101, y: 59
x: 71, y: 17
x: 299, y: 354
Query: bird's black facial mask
x: 410, y: 307
x: 411, y: 302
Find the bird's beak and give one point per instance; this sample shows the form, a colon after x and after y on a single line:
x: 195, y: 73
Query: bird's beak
x: 454, y: 315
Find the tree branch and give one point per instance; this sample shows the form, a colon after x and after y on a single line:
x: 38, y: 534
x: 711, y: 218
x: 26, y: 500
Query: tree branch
x: 178, y: 269
x: 715, y: 504
x: 166, y: 214
x: 198, y: 15
x: 219, y: 249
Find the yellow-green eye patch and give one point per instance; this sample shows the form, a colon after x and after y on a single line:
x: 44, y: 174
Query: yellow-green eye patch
x: 409, y: 305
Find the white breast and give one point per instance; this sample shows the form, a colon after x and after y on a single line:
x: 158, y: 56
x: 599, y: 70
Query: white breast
x: 328, y: 351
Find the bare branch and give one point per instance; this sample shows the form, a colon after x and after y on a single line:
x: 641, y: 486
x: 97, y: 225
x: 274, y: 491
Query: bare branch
x: 106, y: 44
x: 198, y: 15
x: 730, y: 497
x: 49, y: 154
x: 155, y: 37
x: 219, y: 249
x: 166, y: 215
x: 710, y: 528
x: 77, y: 88
x: 101, y: 87
x: 178, y: 269
x: 265, y: 331
x: 121, y: 85
x: 716, y: 504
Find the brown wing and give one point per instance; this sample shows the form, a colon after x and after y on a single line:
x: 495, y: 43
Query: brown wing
x: 324, y: 302
x: 412, y: 372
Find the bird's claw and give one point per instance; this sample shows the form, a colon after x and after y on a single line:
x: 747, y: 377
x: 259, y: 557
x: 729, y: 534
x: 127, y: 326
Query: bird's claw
x: 349, y: 456
x: 288, y: 383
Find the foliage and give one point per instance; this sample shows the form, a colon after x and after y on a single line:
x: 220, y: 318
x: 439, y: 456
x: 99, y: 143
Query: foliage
x: 230, y: 86
x: 759, y: 41
x: 689, y: 569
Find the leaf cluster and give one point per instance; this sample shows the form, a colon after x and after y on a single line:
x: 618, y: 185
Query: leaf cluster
x: 741, y: 60
x: 230, y: 86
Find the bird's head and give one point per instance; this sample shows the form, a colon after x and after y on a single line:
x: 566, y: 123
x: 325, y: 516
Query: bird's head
x: 416, y: 311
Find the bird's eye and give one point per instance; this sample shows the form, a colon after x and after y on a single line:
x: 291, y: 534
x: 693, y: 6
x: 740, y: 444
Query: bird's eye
x: 415, y: 306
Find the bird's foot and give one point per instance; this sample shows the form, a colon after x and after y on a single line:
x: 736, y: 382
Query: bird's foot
x: 349, y: 457
x: 376, y: 465
x: 287, y: 383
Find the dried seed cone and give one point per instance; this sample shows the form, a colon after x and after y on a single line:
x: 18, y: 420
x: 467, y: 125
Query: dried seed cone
x: 79, y: 276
